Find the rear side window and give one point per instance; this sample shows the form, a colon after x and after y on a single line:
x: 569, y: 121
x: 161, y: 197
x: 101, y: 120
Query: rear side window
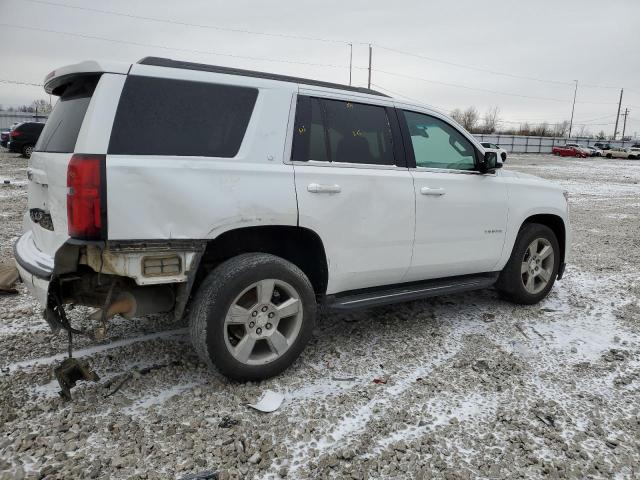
x: 344, y: 132
x: 158, y: 116
x: 60, y: 133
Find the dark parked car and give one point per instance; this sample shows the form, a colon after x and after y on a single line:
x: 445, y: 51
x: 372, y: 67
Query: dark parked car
x: 23, y: 138
x: 602, y: 146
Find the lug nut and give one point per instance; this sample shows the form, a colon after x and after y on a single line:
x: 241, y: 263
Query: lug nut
x: 271, y: 314
x: 254, y: 313
x: 268, y: 325
x: 258, y: 330
x: 264, y: 309
x: 252, y: 324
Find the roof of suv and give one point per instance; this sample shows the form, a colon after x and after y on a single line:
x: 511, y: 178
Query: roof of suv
x: 167, y: 62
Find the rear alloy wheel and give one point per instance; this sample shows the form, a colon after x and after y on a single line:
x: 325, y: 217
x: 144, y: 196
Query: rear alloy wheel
x: 255, y: 331
x: 27, y: 150
x: 533, y: 266
x: 252, y: 316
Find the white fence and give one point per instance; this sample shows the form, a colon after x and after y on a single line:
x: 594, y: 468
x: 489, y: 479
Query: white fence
x: 9, y: 118
x: 527, y: 144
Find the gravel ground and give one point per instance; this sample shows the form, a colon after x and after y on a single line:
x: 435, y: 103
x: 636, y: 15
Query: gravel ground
x: 475, y: 387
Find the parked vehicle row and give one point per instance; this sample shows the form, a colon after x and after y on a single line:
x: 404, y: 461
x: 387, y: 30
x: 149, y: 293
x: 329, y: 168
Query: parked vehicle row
x: 21, y: 137
x: 277, y: 195
x: 590, y: 151
x: 582, y: 151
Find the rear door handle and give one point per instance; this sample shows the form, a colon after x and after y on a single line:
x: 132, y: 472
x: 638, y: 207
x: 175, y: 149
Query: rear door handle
x: 318, y: 188
x: 436, y: 192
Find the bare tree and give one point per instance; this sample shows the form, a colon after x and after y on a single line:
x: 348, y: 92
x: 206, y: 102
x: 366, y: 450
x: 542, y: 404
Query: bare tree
x: 490, y: 120
x: 601, y: 135
x: 561, y: 129
x: 524, y: 129
x: 457, y: 115
x: 583, y: 132
x: 41, y: 106
x: 468, y: 119
x: 541, y: 130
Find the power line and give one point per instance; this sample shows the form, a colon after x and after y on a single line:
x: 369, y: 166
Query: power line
x: 413, y: 100
x: 468, y: 87
x: 301, y: 37
x: 18, y: 82
x: 177, y: 49
x: 469, y: 67
x: 188, y: 24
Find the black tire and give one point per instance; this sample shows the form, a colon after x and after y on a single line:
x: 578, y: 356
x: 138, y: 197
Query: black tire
x: 26, y: 151
x: 510, y: 284
x: 215, y: 297
x: 608, y: 155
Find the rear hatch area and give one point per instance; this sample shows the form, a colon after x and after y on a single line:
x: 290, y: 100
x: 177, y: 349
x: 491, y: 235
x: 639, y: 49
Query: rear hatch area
x: 46, y: 217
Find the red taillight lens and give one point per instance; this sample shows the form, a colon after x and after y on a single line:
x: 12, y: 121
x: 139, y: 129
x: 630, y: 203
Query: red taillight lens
x: 86, y: 207
x: 15, y: 133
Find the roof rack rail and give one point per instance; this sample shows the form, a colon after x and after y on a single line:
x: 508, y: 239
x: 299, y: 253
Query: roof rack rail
x: 167, y: 62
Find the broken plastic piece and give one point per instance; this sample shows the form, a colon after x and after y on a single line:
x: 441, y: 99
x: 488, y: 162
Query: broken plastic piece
x: 269, y: 402
x: 69, y: 372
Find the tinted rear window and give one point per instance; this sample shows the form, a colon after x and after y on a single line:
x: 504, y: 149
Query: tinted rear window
x: 63, y: 125
x: 340, y: 131
x: 159, y: 116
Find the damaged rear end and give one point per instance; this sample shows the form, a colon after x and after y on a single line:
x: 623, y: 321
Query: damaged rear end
x: 65, y: 255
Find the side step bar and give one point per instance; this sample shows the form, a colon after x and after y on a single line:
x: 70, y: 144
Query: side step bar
x: 373, y: 297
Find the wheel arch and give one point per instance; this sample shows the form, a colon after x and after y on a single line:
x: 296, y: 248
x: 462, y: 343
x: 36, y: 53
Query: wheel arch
x: 556, y: 224
x: 298, y: 245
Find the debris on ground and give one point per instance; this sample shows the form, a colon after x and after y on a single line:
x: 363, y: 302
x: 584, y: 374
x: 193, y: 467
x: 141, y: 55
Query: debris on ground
x: 270, y: 401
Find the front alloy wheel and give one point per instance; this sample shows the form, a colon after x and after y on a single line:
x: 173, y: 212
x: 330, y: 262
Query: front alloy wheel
x: 533, y: 266
x: 537, y: 265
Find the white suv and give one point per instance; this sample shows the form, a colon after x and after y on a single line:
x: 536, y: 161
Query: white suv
x: 249, y: 199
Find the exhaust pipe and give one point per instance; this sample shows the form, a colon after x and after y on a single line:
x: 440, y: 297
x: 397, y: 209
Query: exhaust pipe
x: 139, y: 302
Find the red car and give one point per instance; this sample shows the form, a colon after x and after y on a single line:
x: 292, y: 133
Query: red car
x: 567, y: 151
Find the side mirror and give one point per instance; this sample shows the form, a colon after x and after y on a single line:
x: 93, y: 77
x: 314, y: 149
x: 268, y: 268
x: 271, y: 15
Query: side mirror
x: 489, y: 162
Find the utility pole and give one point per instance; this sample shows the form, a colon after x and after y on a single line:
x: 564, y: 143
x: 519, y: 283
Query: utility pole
x: 624, y: 125
x: 350, y: 61
x: 573, y: 108
x: 370, y: 54
x: 615, y: 130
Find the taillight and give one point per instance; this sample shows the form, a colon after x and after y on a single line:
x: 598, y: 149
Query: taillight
x: 86, y: 197
x: 15, y: 133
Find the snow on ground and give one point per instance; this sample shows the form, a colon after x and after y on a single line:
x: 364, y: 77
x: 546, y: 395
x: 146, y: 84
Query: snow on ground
x: 475, y: 387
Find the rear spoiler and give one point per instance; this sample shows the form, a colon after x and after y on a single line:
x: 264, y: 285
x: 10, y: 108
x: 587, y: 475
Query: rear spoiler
x: 61, y: 76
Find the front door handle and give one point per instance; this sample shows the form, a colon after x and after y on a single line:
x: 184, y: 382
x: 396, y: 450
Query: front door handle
x: 436, y: 192
x: 318, y: 188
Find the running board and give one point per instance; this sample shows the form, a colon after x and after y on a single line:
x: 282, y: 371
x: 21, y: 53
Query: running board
x: 372, y: 297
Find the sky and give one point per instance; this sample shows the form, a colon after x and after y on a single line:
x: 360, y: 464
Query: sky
x: 522, y: 57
